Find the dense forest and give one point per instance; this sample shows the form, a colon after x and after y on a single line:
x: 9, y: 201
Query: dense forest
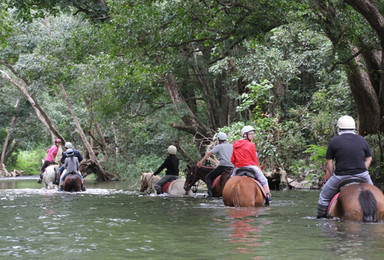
x: 122, y: 80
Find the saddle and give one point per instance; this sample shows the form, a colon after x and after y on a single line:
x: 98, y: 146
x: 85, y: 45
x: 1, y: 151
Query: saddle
x: 243, y: 171
x: 349, y: 181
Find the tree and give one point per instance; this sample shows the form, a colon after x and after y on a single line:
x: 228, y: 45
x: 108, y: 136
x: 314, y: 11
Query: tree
x: 357, y: 36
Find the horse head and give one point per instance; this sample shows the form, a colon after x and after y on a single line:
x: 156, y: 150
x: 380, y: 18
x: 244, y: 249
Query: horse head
x: 147, y: 181
x: 190, y: 177
x: 143, y: 182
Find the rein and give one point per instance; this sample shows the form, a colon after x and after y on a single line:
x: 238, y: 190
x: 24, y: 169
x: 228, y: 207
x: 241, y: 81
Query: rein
x: 194, y: 177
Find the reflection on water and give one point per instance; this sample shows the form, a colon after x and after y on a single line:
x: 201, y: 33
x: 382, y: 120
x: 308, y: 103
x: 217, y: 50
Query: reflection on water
x: 110, y: 221
x: 246, y: 229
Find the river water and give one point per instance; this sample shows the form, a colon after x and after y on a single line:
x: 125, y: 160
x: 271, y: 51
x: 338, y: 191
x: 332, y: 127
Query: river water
x: 113, y: 221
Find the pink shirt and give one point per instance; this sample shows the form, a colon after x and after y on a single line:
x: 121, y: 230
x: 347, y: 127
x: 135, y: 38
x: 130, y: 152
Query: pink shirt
x: 52, y: 150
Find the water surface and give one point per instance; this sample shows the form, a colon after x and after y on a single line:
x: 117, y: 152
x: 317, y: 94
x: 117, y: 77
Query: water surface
x: 113, y: 221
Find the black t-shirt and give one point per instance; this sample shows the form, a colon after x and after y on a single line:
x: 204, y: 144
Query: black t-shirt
x: 172, y: 165
x: 349, y: 152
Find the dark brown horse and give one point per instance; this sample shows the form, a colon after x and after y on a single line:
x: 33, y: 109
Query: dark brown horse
x: 72, y: 183
x: 358, y: 202
x: 195, y: 173
x: 243, y: 191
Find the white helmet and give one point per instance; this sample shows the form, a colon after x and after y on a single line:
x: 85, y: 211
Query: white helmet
x: 69, y: 152
x: 346, y: 122
x: 68, y: 145
x: 172, y: 149
x: 246, y: 129
x: 222, y: 136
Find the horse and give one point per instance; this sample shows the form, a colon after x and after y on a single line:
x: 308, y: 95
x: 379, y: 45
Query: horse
x: 358, y: 202
x: 243, y: 191
x: 72, y: 183
x: 50, y: 175
x: 174, y: 188
x: 195, y: 173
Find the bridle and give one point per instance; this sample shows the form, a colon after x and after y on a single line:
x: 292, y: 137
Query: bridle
x: 194, y: 179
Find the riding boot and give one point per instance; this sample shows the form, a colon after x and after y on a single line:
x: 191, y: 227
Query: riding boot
x: 41, y: 178
x: 209, y: 193
x: 61, y: 188
x: 321, y: 211
x: 83, y: 187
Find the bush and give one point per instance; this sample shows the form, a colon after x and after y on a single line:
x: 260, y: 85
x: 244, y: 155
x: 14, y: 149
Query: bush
x: 29, y: 161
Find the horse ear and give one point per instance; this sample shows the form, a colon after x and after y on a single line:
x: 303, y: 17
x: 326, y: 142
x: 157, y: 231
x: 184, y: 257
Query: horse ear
x: 188, y: 166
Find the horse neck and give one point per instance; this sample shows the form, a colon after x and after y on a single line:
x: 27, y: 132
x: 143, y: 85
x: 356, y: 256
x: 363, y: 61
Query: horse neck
x: 151, y: 180
x: 202, y: 172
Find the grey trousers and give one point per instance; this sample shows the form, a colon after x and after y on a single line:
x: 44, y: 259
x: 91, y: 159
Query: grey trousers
x: 259, y: 174
x: 331, y: 186
x: 163, y: 180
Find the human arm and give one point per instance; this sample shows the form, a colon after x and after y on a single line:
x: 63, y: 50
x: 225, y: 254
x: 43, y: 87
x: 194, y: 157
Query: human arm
x: 330, y: 168
x: 79, y: 156
x: 162, y: 166
x: 208, y: 154
x: 368, y: 161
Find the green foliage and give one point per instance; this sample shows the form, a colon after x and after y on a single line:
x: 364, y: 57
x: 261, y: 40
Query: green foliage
x: 30, y: 161
x: 32, y: 9
x: 257, y: 96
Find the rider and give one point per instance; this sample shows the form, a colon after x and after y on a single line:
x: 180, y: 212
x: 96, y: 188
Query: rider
x: 224, y: 152
x: 71, y: 164
x: 50, y: 158
x: 171, y: 163
x: 353, y: 158
x: 68, y: 145
x: 245, y: 156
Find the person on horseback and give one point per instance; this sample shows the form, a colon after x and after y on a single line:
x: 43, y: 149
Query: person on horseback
x: 353, y: 157
x: 50, y: 158
x: 224, y: 152
x: 68, y: 145
x: 244, y: 156
x: 171, y: 163
x: 71, y: 164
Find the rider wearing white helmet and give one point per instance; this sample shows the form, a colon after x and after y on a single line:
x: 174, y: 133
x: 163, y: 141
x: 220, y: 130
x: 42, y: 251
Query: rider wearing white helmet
x: 353, y: 158
x: 171, y: 163
x: 71, y: 164
x: 68, y: 146
x: 224, y: 151
x: 245, y: 156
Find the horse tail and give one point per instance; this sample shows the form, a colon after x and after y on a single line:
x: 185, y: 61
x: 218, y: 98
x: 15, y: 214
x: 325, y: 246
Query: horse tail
x: 235, y: 195
x: 368, y: 205
x: 73, y: 185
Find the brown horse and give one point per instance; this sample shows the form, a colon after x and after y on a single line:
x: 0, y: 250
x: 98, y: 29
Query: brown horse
x: 243, y: 191
x: 195, y: 173
x: 72, y: 183
x: 358, y: 202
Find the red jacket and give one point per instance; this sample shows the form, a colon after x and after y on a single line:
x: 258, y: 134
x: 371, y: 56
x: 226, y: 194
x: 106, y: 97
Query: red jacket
x: 244, y: 153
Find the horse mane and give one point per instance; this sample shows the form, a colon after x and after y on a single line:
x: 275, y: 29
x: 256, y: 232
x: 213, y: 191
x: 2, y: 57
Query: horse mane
x: 368, y: 205
x: 149, y: 179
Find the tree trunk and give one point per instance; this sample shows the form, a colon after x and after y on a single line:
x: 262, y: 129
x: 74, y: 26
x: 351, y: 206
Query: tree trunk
x: 3, y: 168
x: 98, y: 169
x: 101, y: 141
x: 42, y: 116
x: 364, y: 70
x: 191, y: 125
